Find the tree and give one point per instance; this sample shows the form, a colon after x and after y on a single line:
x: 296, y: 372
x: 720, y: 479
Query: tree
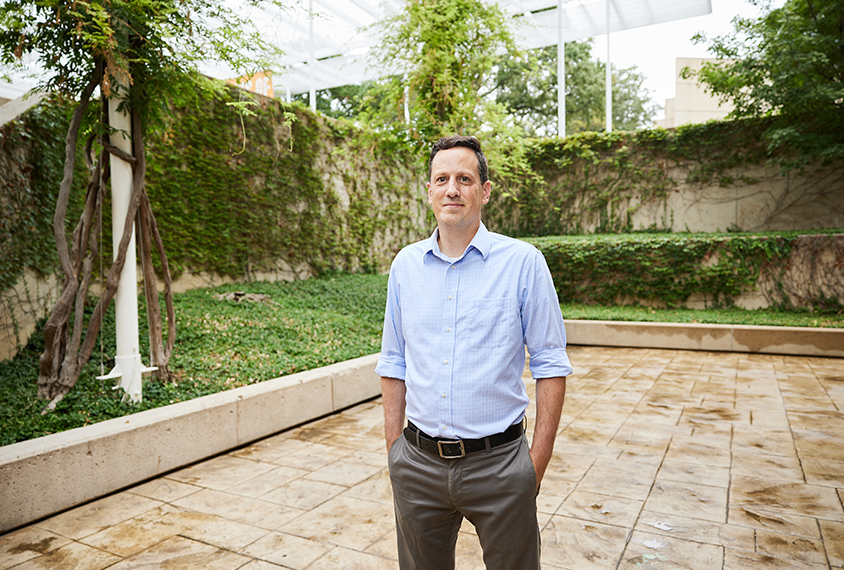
x: 786, y: 67
x: 143, y: 53
x: 529, y: 90
x: 441, y: 53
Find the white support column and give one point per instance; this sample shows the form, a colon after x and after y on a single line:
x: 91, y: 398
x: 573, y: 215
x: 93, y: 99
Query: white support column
x: 561, y: 71
x: 127, y: 360
x: 406, y: 103
x: 311, y: 59
x: 608, y: 86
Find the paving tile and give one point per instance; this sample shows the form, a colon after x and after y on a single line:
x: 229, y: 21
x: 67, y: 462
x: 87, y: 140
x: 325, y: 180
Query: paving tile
x: 287, y: 550
x: 762, y: 439
x: 689, y: 499
x: 98, y: 515
x: 271, y: 480
x: 601, y: 508
x: 313, y: 457
x: 697, y: 530
x: 673, y: 469
x: 828, y: 422
x: 587, y: 433
x: 775, y: 467
x: 649, y: 439
x: 272, y: 448
x: 824, y: 472
x: 620, y: 479
x: 659, y: 552
x: 70, y: 557
x: 27, y: 543
x: 782, y: 545
x: 344, y: 472
x: 345, y: 559
x: 303, y: 495
x: 744, y: 560
x: 344, y: 521
x: 259, y: 565
x: 698, y: 450
x: 833, y: 539
x: 566, y: 465
x: 179, y: 553
x: 808, y: 500
x: 134, y: 535
x: 263, y: 514
x: 163, y: 489
x: 376, y: 488
x: 220, y: 473
x: 572, y: 543
x: 385, y: 547
x: 468, y: 553
x: 224, y: 533
x: 763, y: 519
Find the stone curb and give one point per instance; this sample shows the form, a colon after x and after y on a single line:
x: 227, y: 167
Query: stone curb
x: 794, y: 341
x: 49, y: 474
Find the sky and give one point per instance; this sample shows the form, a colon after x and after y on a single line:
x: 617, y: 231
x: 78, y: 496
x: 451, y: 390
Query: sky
x: 654, y: 49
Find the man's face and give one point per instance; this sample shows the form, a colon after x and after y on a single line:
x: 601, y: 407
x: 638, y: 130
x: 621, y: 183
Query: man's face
x: 455, y: 192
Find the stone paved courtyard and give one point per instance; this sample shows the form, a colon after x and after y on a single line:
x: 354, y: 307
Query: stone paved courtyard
x: 664, y: 459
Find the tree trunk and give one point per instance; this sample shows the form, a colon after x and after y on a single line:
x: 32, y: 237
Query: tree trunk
x: 66, y: 349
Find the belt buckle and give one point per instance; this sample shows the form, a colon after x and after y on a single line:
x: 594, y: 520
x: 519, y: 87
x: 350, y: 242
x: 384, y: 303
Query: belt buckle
x: 458, y: 442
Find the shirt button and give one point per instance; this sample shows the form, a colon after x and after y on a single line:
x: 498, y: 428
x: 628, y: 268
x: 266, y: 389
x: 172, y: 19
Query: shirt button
x: 450, y: 297
x: 444, y: 396
x: 444, y: 427
x: 445, y: 361
x: 448, y: 329
x: 453, y: 268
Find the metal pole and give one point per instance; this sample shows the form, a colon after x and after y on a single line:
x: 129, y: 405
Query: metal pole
x: 311, y: 60
x: 127, y: 360
x: 608, y: 85
x: 561, y: 73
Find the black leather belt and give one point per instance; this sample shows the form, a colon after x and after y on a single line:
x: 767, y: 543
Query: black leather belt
x: 456, y: 448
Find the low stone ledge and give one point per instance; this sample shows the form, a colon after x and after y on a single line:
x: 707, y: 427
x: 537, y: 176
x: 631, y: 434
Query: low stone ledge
x: 49, y: 474
x: 795, y: 341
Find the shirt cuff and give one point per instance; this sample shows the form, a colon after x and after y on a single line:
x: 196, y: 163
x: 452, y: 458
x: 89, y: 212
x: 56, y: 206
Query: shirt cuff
x: 551, y: 363
x: 388, y: 368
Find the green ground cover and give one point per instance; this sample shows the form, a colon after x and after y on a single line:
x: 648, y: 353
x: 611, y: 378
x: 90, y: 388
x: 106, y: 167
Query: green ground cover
x: 732, y: 316
x: 224, y: 344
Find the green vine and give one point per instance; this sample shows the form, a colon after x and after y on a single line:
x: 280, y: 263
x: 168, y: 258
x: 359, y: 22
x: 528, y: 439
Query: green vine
x: 669, y: 269
x: 595, y: 182
x: 31, y: 163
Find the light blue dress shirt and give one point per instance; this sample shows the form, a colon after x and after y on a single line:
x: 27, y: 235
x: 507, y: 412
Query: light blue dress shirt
x: 455, y: 331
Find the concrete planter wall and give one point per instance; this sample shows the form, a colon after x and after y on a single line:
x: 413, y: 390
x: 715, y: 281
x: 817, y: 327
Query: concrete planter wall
x: 49, y: 474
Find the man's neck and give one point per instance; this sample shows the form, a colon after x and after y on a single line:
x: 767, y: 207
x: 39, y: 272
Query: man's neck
x: 454, y: 242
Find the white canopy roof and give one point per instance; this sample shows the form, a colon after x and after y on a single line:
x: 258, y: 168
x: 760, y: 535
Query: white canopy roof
x: 343, y: 32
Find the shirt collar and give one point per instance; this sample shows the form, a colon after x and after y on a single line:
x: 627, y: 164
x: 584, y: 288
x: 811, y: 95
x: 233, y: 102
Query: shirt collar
x: 481, y: 242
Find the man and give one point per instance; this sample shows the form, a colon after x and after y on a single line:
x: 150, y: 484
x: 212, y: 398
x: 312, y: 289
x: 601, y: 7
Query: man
x: 461, y: 307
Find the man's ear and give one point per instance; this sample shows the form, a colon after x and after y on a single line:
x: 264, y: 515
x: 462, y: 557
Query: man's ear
x: 428, y: 186
x: 487, y: 189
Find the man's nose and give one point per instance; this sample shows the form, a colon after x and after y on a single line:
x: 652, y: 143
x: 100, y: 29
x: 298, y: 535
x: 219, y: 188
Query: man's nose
x: 452, y: 189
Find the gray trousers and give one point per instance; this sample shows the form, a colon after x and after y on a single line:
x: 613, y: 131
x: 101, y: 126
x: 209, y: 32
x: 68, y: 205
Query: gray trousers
x: 495, y: 491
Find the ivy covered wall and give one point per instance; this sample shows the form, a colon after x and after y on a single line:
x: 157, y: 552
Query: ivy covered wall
x: 717, y: 176
x: 274, y: 193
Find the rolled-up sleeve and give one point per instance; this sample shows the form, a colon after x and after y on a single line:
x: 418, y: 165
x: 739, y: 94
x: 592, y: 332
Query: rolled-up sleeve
x: 391, y: 363
x: 542, y: 323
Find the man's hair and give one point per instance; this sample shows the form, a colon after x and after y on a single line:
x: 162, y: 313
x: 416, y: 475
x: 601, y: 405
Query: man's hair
x: 471, y: 143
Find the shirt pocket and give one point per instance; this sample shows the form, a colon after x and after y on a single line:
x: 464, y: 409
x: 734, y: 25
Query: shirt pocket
x: 489, y: 323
